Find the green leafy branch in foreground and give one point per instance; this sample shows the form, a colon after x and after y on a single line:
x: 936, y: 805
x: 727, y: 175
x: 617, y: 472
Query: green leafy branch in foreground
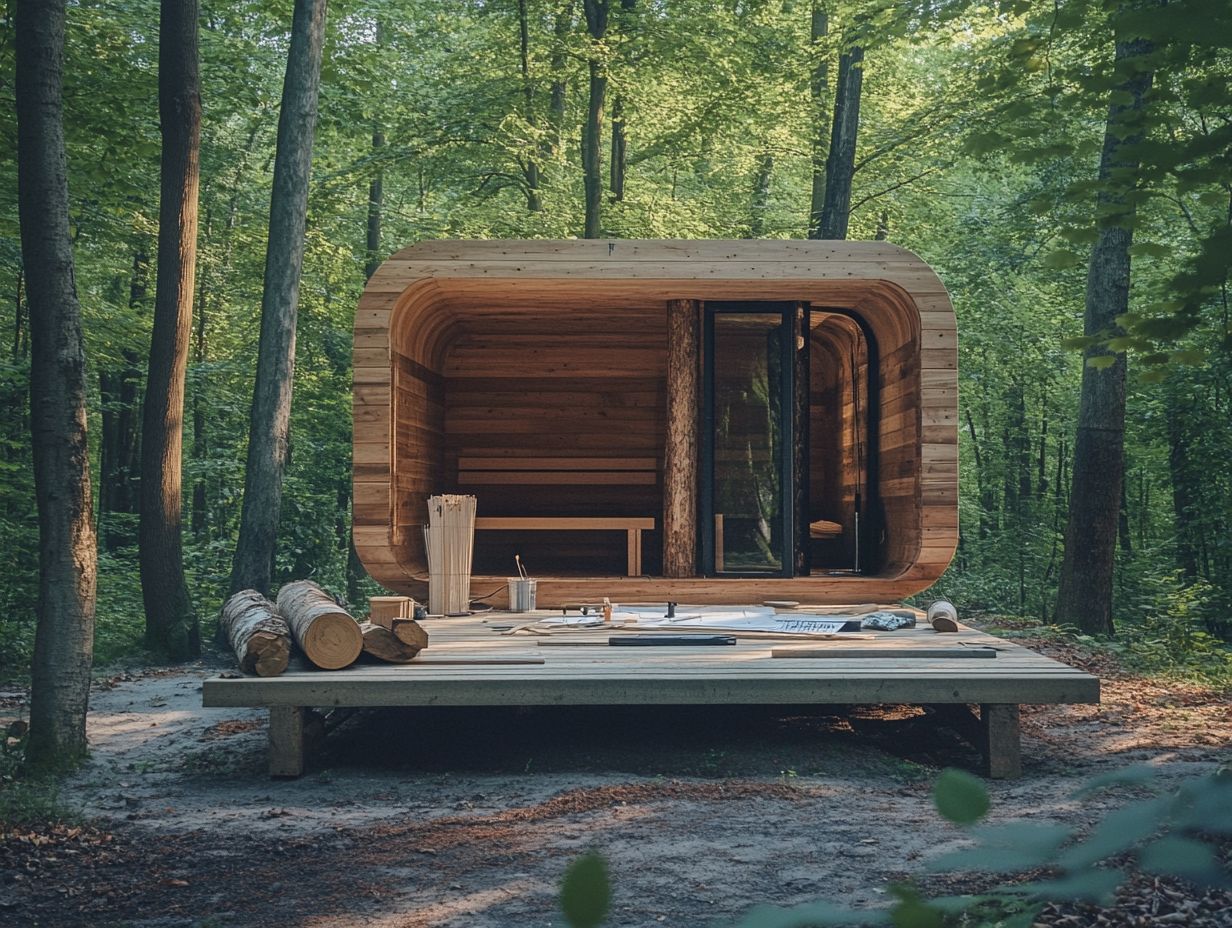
x: 1167, y: 834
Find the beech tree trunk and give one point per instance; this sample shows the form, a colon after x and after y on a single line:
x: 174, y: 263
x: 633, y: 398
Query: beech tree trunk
x: 619, y: 150
x: 556, y: 99
x: 1179, y: 468
x: 592, y: 131
x: 258, y: 635
x: 1084, y: 594
x: 819, y: 85
x: 841, y: 162
x: 328, y: 635
x: 253, y: 565
x: 171, y: 626
x: 68, y: 553
x: 530, y: 166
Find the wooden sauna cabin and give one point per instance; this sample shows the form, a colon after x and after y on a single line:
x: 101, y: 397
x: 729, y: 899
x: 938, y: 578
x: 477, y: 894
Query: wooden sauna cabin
x: 702, y: 421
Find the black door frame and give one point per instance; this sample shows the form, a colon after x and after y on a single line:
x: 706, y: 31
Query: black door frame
x: 790, y: 314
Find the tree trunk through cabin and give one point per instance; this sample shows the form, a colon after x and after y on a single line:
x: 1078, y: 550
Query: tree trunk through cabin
x: 171, y: 626
x: 680, y: 486
x: 840, y: 164
x: 68, y: 553
x: 253, y: 564
x: 592, y: 131
x: 1084, y: 594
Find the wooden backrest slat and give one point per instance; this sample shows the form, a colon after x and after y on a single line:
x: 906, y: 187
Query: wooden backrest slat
x: 470, y: 463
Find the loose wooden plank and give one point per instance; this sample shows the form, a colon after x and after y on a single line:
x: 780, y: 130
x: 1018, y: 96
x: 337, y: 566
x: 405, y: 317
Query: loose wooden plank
x: 881, y: 654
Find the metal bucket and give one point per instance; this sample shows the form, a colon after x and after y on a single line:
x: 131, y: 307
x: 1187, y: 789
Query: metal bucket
x: 522, y: 594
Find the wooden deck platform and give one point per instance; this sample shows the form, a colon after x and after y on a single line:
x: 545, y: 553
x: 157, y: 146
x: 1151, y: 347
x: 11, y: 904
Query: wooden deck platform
x: 578, y: 668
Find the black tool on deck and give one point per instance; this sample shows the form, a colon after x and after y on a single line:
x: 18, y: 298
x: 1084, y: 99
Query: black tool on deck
x: 633, y: 641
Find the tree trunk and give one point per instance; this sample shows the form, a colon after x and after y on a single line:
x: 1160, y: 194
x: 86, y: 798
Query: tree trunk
x: 171, y: 626
x: 592, y: 131
x: 680, y: 485
x: 619, y: 150
x: 20, y: 343
x: 327, y: 634
x: 253, y: 564
x: 372, y: 238
x: 119, y: 449
x: 530, y: 166
x: 258, y: 635
x: 68, y: 555
x: 1084, y: 595
x: 556, y: 99
x: 819, y: 86
x: 1182, y: 483
x: 841, y: 162
x: 761, y: 195
x: 199, y: 448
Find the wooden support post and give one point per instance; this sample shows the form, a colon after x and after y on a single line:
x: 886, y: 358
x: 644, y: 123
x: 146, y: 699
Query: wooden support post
x: 286, y: 741
x: 680, y: 453
x: 1000, y: 740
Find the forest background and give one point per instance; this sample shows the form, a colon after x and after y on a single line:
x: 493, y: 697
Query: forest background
x: 980, y: 131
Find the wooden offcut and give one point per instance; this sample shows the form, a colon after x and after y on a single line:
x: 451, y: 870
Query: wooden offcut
x: 680, y: 486
x: 328, y: 635
x: 469, y: 353
x: 257, y: 634
x: 384, y: 645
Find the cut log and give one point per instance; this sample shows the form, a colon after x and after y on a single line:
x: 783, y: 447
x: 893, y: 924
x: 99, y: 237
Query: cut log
x: 380, y: 642
x: 257, y: 633
x: 395, y: 613
x: 328, y: 635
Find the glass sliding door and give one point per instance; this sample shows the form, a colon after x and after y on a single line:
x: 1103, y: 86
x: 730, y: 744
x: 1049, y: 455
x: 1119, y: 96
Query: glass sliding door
x: 748, y: 494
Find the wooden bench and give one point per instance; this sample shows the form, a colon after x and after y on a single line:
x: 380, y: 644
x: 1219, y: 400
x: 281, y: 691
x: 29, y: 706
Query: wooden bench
x: 474, y: 471
x: 632, y: 526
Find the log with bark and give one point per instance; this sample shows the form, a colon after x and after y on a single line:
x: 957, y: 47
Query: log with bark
x: 328, y: 635
x: 395, y: 614
x: 381, y: 643
x: 257, y: 633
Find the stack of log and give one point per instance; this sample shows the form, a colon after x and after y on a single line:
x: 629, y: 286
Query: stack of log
x: 262, y: 633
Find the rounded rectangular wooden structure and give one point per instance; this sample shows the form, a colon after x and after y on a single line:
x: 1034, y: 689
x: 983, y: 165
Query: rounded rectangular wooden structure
x: 533, y: 374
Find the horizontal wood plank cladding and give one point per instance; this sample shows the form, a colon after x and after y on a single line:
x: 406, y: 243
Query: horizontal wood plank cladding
x: 491, y: 320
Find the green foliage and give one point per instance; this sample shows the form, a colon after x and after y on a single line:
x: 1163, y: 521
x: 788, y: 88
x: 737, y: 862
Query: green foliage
x: 960, y: 797
x: 585, y: 893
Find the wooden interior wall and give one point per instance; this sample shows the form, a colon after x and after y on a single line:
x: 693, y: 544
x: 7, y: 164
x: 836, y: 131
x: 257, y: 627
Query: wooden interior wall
x: 419, y: 450
x: 529, y: 393
x: 833, y: 463
x: 898, y: 455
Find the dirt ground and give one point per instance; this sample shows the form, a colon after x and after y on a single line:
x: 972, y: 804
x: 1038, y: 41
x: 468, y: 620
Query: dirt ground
x: 413, y: 818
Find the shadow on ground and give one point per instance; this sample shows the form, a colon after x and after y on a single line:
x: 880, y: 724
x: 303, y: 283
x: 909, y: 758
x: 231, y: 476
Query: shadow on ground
x: 672, y: 741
